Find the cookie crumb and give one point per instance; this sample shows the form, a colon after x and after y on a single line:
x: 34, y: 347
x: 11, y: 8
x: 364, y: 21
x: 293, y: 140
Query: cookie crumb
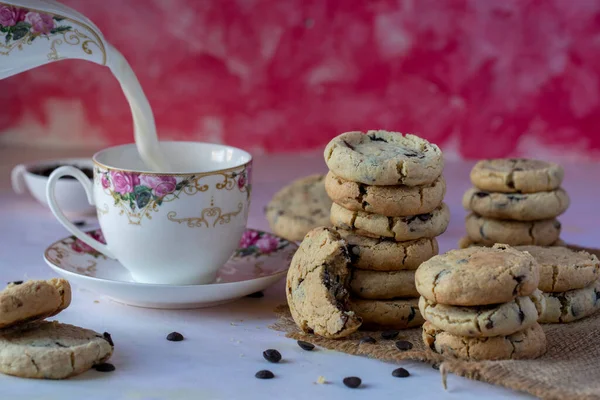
x: 321, y: 380
x: 96, y: 301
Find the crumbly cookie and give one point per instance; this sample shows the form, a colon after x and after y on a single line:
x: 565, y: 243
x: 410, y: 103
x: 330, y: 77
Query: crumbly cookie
x: 514, y: 233
x: 562, y: 269
x: 316, y: 285
x: 466, y: 241
x: 384, y: 158
x: 399, y: 228
x: 517, y: 206
x: 528, y: 343
x: 299, y: 207
x: 478, y: 276
x: 484, y: 321
x: 516, y: 175
x: 386, y: 254
x: 388, y: 314
x: 377, y: 285
x: 391, y: 201
x: 31, y: 300
x: 572, y: 305
x: 50, y: 350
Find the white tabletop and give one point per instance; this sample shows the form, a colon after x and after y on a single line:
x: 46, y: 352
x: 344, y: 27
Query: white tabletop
x: 223, y: 346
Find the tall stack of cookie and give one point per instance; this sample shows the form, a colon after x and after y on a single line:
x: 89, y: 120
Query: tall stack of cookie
x: 482, y: 304
x: 387, y: 191
x: 515, y: 202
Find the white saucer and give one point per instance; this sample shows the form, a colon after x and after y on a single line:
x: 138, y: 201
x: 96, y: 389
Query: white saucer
x: 261, y: 261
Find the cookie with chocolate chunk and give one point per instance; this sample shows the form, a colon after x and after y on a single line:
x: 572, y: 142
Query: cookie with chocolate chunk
x: 32, y: 300
x: 388, y: 314
x: 571, y: 305
x: 299, y: 207
x: 488, y: 231
x: 384, y: 158
x: 316, y: 285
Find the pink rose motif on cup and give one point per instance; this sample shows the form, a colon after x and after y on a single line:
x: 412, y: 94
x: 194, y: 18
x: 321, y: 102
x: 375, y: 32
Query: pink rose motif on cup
x: 124, y: 182
x: 40, y: 23
x: 248, y: 239
x: 10, y: 16
x: 242, y: 181
x: 267, y: 244
x: 160, y: 185
x: 81, y: 247
x: 105, y: 182
x: 257, y: 244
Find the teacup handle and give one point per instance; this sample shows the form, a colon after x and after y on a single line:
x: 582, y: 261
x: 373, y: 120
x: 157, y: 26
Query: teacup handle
x: 87, y: 185
x: 17, y: 178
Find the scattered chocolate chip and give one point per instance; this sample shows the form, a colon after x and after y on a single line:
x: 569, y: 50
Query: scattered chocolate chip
x: 400, y: 373
x: 389, y: 335
x: 104, y: 367
x: 305, y: 345
x: 106, y: 336
x: 16, y: 283
x: 404, y: 345
x: 272, y: 355
x: 367, y: 339
x: 79, y: 223
x: 352, y: 382
x: 264, y: 374
x: 435, y: 366
x: 256, y: 295
x: 482, y: 194
x: 174, y: 337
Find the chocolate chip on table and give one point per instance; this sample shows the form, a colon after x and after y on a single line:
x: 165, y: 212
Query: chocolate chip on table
x: 104, y: 367
x: 108, y: 338
x: 352, y: 382
x: 404, y: 345
x: 272, y: 355
x: 389, y: 335
x: 367, y: 339
x: 435, y: 366
x: 16, y: 282
x: 264, y: 374
x: 400, y: 373
x: 256, y: 295
x: 305, y: 345
x: 174, y: 337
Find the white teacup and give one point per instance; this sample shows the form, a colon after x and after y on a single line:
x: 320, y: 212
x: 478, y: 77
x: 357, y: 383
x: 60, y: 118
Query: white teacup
x: 175, y: 227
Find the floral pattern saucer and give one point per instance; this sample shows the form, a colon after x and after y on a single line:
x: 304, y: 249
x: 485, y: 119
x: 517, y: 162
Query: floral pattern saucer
x: 260, y: 261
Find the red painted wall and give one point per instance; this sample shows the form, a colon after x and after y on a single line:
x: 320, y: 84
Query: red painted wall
x: 484, y: 78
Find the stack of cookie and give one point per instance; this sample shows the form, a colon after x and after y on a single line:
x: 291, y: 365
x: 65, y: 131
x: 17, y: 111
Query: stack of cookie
x: 33, y: 348
x: 387, y: 193
x: 515, y: 202
x: 569, y: 281
x: 482, y: 304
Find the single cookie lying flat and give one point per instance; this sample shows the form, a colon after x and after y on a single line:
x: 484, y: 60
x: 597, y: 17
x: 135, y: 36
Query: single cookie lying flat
x: 399, y: 228
x: 50, y: 350
x: 572, y: 305
x: 484, y: 321
x: 517, y: 206
x: 299, y: 207
x: 316, y: 285
x: 515, y: 233
x: 528, y: 343
x: 388, y: 314
x: 377, y: 285
x: 516, y: 175
x: 478, y: 276
x: 562, y: 269
x: 391, y: 201
x: 386, y: 254
x: 32, y: 300
x: 384, y: 158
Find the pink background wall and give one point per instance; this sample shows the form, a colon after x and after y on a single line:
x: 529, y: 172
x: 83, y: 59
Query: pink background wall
x: 482, y: 78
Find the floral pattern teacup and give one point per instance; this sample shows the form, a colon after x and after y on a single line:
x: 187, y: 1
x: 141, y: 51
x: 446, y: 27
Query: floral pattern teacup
x: 172, y: 227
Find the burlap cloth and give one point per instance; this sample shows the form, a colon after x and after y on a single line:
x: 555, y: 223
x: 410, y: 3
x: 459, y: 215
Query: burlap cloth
x: 570, y: 369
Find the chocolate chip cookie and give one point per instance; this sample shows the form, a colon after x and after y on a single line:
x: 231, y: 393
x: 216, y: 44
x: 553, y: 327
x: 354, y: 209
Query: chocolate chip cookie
x: 478, y: 276
x: 31, y: 300
x: 385, y: 254
x: 514, y: 175
x: 391, y: 201
x: 299, y: 207
x: 571, y: 305
x: 517, y: 206
x: 399, y: 228
x: 50, y: 350
x: 562, y: 269
x: 384, y: 158
x: 316, y: 285
x: 378, y: 285
x: 528, y: 343
x: 488, y: 231
x: 388, y: 314
x: 484, y: 321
